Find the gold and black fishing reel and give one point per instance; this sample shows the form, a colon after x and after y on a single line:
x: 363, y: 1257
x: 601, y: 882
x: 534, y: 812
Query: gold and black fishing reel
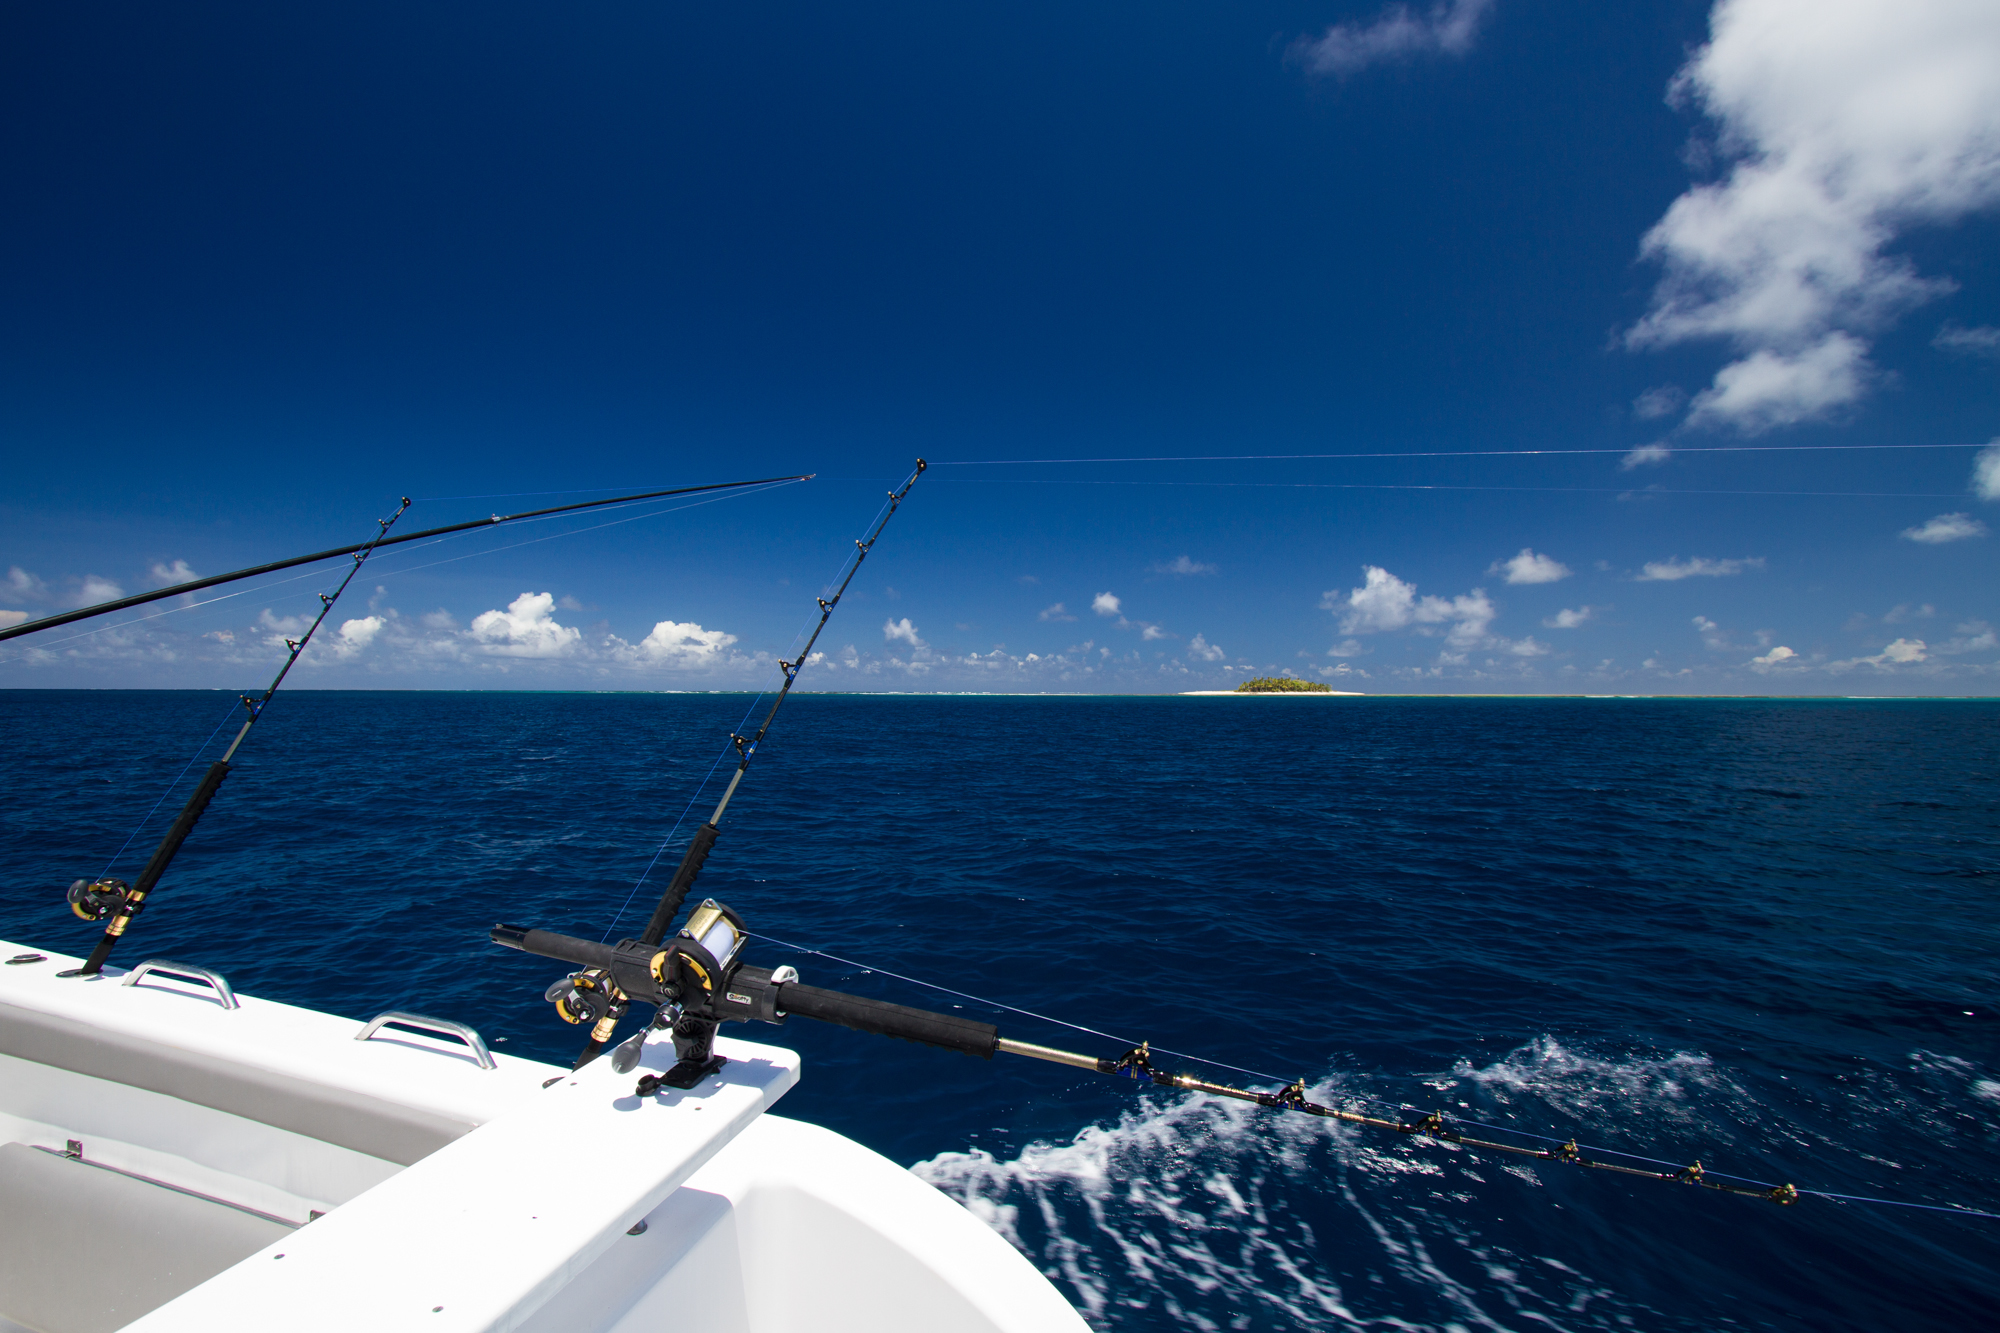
x: 586, y: 998
x: 96, y: 899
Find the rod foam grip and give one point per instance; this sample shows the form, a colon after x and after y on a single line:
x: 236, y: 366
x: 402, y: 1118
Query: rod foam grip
x: 889, y: 1020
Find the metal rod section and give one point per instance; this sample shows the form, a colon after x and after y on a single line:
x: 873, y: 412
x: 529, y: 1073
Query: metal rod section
x: 194, y: 585
x: 170, y: 846
x: 1008, y: 1046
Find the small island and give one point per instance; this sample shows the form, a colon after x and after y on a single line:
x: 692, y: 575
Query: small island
x: 1282, y: 685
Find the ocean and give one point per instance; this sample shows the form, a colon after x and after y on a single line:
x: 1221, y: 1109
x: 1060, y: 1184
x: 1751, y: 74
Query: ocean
x: 1761, y: 933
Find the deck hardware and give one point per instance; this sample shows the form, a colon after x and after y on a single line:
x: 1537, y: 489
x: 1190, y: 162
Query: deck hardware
x: 21, y: 958
x: 224, y: 996
x: 638, y: 1228
x: 73, y: 1149
x: 314, y: 1215
x: 443, y: 1026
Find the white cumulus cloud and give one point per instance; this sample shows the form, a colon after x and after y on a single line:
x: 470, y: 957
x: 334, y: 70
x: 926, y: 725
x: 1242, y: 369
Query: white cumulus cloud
x: 9, y: 619
x: 358, y: 634
x: 1986, y: 472
x: 1901, y: 652
x: 1385, y: 602
x: 1446, y: 28
x: 685, y: 644
x: 1105, y: 604
x: 1669, y: 571
x: 1527, y: 567
x: 527, y: 628
x: 1845, y: 123
x: 165, y: 575
x: 1946, y: 528
x: 97, y: 589
x: 892, y: 630
x: 1568, y: 619
x: 1183, y: 565
x: 1778, y: 656
x: 1644, y: 454
x: 1056, y: 612
x: 22, y: 584
x: 1202, y: 649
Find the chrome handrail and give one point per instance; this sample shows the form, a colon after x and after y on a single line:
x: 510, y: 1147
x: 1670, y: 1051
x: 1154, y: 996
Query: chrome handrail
x: 444, y: 1026
x: 223, y: 995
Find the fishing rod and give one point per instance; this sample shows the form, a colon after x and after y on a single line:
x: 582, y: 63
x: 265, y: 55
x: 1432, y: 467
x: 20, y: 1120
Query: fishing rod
x: 700, y: 978
x: 95, y: 900
x: 195, y: 585
x: 587, y: 997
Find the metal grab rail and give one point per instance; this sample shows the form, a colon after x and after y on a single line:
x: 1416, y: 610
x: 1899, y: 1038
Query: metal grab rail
x: 443, y: 1026
x: 223, y: 995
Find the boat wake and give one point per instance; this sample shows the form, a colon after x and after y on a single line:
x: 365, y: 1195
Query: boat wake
x: 1220, y: 1215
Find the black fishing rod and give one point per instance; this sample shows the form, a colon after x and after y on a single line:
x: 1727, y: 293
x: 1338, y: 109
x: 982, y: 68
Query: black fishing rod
x: 94, y: 900
x: 699, y: 977
x: 584, y: 998
x: 194, y: 585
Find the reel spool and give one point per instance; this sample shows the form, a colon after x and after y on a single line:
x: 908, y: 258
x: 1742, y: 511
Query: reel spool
x: 96, y: 899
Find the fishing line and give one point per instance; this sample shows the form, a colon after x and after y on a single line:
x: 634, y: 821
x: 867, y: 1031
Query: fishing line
x: 702, y: 786
x: 1457, y: 453
x: 1028, y: 1013
x: 554, y: 536
x: 227, y: 713
x: 1636, y: 491
x: 1954, y: 1209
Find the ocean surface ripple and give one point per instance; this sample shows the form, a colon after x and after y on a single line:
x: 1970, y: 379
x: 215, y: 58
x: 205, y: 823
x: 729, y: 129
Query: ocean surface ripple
x: 1758, y: 932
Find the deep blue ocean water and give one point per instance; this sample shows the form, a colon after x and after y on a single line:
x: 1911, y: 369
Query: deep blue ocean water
x: 1758, y: 932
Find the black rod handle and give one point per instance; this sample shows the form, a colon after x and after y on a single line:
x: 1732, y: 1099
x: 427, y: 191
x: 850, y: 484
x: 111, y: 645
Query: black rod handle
x: 683, y: 880
x: 889, y: 1020
x: 548, y: 944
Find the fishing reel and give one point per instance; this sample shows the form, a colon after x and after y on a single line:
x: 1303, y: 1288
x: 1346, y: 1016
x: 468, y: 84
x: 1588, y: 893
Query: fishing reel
x: 587, y: 998
x: 96, y: 899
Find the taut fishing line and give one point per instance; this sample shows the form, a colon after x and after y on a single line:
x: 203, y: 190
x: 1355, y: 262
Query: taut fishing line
x: 1571, y: 1145
x: 1461, y: 453
x: 702, y: 786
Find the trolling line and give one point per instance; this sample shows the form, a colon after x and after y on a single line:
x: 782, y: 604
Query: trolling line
x: 113, y: 898
x: 1455, y: 453
x: 194, y: 585
x: 1636, y: 491
x: 199, y: 750
x: 1429, y: 1125
x: 590, y: 997
x: 723, y: 754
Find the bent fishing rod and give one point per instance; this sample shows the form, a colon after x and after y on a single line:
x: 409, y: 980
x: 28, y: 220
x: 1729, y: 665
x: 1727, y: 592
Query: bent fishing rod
x: 699, y: 982
x: 495, y: 520
x: 586, y: 998
x: 95, y: 900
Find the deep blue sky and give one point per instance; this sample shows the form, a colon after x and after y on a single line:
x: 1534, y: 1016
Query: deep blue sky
x: 267, y: 269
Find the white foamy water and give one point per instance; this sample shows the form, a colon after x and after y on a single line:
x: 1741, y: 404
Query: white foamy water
x: 1222, y: 1215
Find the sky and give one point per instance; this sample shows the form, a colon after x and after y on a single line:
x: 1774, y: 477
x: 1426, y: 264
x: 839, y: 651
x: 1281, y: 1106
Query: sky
x: 1510, y: 346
